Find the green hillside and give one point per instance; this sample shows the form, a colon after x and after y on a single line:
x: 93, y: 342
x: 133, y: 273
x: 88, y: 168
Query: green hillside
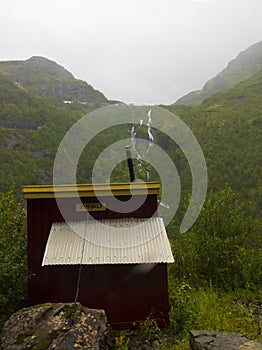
x: 19, y: 109
x: 31, y: 129
x: 244, y: 66
x: 45, y: 78
x: 228, y: 127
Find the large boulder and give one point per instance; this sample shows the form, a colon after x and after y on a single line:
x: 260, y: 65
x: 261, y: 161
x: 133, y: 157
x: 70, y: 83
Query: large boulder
x: 207, y: 340
x: 60, y: 326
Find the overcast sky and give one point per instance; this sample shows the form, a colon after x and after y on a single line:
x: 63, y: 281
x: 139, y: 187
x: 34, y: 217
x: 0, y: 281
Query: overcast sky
x: 145, y: 51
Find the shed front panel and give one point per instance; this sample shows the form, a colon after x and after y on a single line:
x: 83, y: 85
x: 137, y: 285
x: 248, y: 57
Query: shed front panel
x: 128, y: 293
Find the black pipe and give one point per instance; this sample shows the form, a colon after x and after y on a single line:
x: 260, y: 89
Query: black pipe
x: 130, y: 164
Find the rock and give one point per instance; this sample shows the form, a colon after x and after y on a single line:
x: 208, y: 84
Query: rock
x: 205, y: 340
x: 60, y: 326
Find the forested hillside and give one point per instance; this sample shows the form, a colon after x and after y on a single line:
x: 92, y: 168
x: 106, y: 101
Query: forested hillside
x: 227, y: 126
x: 45, y: 78
x: 30, y: 131
x: 244, y: 66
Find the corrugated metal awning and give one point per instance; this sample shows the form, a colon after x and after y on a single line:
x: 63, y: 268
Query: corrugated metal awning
x: 118, y: 241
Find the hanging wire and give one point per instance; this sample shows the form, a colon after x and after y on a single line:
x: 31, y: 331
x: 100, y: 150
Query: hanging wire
x: 81, y: 264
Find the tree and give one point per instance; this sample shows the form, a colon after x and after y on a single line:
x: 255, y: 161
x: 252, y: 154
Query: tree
x: 13, y: 266
x: 223, y: 248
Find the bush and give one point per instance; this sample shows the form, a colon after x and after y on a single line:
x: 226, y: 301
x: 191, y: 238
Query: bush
x: 13, y: 270
x: 223, y: 249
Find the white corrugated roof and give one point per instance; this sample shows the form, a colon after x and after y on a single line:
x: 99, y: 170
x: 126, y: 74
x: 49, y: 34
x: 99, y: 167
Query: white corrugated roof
x: 118, y: 241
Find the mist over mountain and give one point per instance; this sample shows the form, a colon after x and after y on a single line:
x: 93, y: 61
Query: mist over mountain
x: 244, y: 66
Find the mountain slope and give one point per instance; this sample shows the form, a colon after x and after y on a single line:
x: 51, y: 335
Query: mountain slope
x: 245, y: 65
x: 19, y: 109
x: 31, y: 129
x: 228, y: 126
x: 45, y: 78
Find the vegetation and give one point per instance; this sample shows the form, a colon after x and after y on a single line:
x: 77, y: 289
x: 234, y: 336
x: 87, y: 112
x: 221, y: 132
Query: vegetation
x: 215, y: 274
x: 217, y: 262
x: 13, y: 270
x: 31, y: 129
x: 216, y: 270
x: 228, y: 128
x: 223, y: 249
x: 45, y: 78
x: 244, y: 66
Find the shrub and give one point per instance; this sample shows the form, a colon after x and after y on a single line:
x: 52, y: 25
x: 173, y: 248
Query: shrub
x: 13, y: 270
x: 223, y: 249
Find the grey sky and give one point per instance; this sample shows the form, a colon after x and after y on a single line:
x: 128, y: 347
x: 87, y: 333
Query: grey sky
x: 146, y: 51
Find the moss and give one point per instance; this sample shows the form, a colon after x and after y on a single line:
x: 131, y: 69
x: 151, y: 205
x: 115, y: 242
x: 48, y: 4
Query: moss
x: 102, y: 316
x: 47, y: 308
x: 22, y: 337
x: 37, y: 306
x: 70, y: 310
x: 45, y: 341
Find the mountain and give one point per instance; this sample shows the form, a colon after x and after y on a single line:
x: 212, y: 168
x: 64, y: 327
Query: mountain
x: 43, y: 77
x: 244, y: 66
x: 31, y: 129
x: 227, y: 126
x: 19, y: 109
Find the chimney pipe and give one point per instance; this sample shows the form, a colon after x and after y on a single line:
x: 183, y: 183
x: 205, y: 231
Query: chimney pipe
x: 130, y: 164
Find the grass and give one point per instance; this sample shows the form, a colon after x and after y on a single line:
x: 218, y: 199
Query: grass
x: 202, y: 309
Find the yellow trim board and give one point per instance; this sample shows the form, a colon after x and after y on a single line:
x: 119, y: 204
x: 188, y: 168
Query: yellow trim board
x: 90, y: 190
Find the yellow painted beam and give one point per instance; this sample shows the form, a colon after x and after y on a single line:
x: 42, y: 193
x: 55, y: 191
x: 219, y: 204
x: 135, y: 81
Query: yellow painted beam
x: 88, y: 190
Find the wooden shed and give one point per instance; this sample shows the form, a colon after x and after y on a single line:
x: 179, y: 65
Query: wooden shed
x: 116, y: 261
